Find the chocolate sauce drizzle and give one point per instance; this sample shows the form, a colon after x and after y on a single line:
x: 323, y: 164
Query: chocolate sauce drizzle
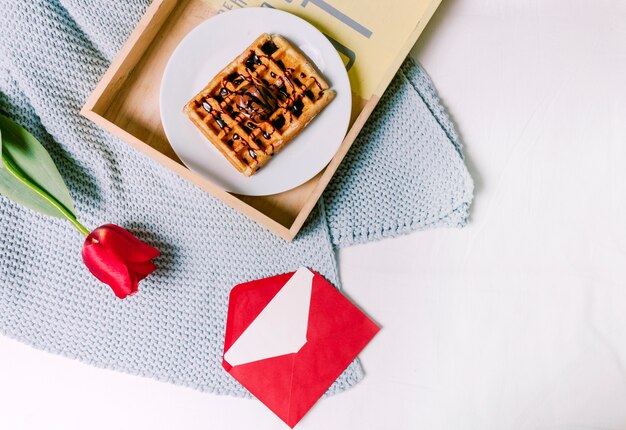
x: 257, y: 99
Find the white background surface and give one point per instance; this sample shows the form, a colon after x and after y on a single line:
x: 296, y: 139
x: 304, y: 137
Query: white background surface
x: 517, y: 321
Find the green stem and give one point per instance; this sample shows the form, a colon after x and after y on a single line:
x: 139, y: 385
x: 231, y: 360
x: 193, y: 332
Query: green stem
x: 78, y: 226
x: 45, y: 195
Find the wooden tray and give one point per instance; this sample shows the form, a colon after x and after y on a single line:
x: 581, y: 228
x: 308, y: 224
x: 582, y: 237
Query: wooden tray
x: 371, y: 36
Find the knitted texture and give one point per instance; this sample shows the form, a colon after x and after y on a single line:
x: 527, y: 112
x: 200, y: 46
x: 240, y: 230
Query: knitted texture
x: 404, y: 172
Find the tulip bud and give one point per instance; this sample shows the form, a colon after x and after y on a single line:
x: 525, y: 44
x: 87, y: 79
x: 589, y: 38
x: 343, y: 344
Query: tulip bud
x: 117, y: 258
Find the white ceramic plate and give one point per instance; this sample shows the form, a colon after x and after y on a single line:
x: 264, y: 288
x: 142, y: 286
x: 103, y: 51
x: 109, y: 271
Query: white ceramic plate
x: 209, y: 48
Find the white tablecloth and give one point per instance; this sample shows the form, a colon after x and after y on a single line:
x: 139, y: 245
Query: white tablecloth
x: 517, y: 321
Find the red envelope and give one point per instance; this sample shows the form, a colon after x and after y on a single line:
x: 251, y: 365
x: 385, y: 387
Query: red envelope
x: 289, y: 337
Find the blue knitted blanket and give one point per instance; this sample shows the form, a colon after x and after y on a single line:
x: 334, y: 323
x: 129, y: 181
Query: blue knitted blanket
x: 405, y: 172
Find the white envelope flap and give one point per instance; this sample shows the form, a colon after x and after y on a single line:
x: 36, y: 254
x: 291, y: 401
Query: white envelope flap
x: 280, y: 328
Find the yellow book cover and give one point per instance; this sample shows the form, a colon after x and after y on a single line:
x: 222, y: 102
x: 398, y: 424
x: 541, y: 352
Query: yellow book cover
x: 371, y: 36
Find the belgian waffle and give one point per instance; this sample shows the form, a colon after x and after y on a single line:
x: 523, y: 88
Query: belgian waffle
x: 259, y: 102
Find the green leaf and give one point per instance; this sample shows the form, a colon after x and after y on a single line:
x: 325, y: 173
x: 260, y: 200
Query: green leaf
x: 28, y: 175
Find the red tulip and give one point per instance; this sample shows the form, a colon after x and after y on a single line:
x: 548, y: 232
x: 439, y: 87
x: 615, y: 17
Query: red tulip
x: 118, y: 258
